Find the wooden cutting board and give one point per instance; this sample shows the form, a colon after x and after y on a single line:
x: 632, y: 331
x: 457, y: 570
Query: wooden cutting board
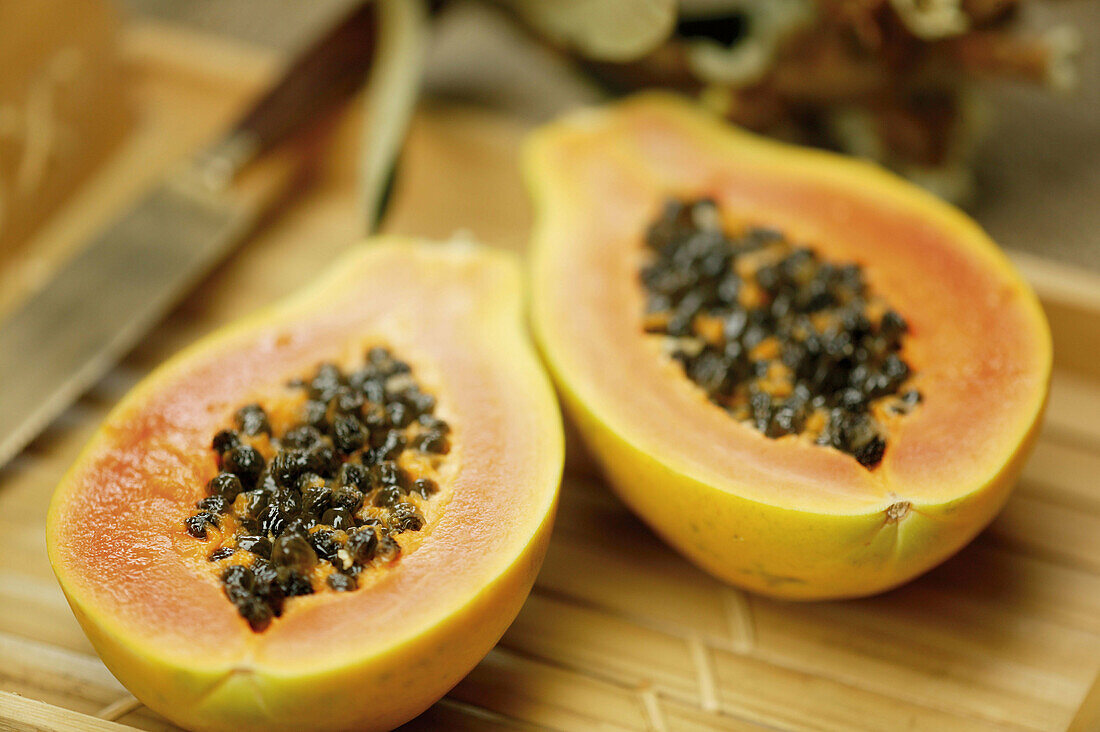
x: 620, y: 633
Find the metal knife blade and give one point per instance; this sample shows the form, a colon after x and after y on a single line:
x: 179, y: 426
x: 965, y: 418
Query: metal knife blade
x: 99, y: 304
x: 94, y: 310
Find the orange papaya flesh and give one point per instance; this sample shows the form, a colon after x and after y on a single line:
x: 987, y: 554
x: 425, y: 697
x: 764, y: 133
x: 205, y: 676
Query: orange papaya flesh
x: 783, y: 516
x: 153, y: 605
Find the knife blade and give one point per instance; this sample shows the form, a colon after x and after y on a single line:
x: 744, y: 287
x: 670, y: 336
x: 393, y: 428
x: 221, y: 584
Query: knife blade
x: 97, y: 306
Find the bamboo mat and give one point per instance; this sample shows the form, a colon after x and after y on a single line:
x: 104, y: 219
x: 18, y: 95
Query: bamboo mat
x: 620, y: 633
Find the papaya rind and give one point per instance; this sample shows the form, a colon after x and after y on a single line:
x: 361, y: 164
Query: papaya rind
x: 821, y: 547
x: 784, y: 552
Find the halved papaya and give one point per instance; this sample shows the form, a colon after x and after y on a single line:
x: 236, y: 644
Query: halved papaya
x: 811, y: 378
x: 325, y: 515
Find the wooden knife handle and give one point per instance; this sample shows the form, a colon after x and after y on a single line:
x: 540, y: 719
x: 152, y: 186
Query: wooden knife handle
x: 331, y: 68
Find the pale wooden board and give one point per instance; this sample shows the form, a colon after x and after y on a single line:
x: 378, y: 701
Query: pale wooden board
x: 620, y: 633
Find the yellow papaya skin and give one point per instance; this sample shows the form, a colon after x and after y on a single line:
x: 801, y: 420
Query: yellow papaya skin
x: 785, y: 553
x: 378, y: 693
x: 371, y: 659
x: 597, y: 177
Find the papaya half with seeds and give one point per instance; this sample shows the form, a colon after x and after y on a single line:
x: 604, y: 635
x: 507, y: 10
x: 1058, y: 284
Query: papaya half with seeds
x: 325, y: 515
x: 811, y: 378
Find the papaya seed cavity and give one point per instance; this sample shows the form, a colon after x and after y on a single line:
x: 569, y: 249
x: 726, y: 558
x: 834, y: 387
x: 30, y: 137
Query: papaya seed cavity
x: 784, y: 340
x: 311, y: 501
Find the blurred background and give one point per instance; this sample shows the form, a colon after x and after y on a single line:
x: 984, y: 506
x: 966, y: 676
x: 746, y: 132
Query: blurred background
x: 997, y: 108
x: 993, y: 104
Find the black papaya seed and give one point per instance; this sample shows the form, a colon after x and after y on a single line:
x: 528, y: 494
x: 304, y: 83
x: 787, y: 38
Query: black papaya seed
x: 213, y: 504
x: 258, y: 545
x: 338, y: 518
x: 225, y: 441
x: 293, y: 551
x: 341, y: 582
x: 197, y: 524
x: 406, y: 517
x: 245, y: 462
x: 226, y: 485
x: 363, y: 543
x: 251, y: 419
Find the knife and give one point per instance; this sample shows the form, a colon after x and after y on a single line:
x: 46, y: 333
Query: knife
x: 100, y: 303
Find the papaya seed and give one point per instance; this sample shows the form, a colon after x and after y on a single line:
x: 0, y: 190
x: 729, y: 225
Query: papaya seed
x: 341, y: 582
x: 224, y: 441
x: 245, y: 462
x: 388, y: 548
x: 406, y: 517
x: 432, y: 441
x: 293, y: 551
x: 252, y: 420
x: 325, y: 545
x: 303, y: 437
x: 221, y: 553
x: 213, y: 504
x: 362, y: 544
x: 425, y: 487
x: 338, y: 518
x: 196, y: 524
x: 226, y: 485
x: 258, y: 545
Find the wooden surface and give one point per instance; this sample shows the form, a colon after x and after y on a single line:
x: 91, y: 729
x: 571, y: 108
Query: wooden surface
x: 620, y: 633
